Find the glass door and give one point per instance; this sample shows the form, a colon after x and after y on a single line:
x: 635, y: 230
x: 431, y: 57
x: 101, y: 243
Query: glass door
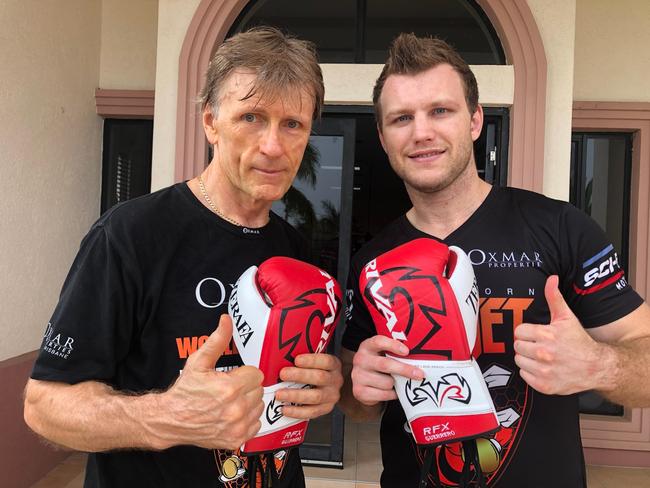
x: 319, y: 204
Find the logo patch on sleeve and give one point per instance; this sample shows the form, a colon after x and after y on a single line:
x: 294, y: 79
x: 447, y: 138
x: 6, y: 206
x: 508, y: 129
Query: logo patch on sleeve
x: 57, y: 345
x: 600, y: 271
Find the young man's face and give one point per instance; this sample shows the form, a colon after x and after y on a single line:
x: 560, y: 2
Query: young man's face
x: 258, y: 144
x: 427, y: 130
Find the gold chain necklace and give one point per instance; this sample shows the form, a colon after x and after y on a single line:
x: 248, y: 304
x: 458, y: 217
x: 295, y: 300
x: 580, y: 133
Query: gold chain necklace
x: 213, y: 206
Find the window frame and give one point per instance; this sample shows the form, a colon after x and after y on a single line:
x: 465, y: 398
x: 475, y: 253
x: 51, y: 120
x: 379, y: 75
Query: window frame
x: 472, y: 7
x: 623, y: 441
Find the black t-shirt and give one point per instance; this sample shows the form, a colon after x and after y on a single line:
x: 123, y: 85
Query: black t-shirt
x: 515, y: 240
x: 150, y: 281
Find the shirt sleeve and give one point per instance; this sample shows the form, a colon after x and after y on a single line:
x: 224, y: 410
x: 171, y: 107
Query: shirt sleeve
x: 594, y: 282
x: 358, y: 323
x: 92, y: 325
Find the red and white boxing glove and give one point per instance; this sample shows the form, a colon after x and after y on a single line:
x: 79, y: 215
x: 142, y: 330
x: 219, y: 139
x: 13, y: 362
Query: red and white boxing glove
x: 282, y: 309
x: 425, y: 295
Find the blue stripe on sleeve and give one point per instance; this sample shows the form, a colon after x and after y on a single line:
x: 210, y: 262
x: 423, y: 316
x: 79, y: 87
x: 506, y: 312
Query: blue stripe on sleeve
x: 597, y: 256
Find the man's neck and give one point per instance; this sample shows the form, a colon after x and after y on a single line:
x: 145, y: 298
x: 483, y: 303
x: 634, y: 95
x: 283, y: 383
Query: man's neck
x: 230, y: 204
x: 441, y: 213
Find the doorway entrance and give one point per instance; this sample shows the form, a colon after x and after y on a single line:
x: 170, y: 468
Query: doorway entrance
x: 344, y: 194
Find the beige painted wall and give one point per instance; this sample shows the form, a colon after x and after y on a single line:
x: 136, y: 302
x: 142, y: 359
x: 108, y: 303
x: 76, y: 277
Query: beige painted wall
x: 612, y: 51
x: 50, y: 158
x: 555, y: 21
x: 174, y: 17
x: 496, y: 83
x: 128, y: 44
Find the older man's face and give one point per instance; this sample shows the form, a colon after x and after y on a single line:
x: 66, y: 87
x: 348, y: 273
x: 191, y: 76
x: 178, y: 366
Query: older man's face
x: 259, y: 143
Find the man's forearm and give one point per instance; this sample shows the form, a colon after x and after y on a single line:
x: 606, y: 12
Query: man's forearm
x: 92, y: 417
x: 624, y: 375
x: 204, y: 408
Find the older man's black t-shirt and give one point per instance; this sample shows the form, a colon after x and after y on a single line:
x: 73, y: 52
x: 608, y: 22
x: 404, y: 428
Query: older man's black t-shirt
x: 515, y: 240
x: 150, y: 281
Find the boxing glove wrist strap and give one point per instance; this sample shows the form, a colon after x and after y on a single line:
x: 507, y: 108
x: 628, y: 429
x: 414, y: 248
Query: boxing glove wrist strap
x: 451, y: 403
x: 278, y: 431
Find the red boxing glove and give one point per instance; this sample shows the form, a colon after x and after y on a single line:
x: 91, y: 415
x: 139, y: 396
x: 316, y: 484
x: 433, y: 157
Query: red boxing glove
x: 424, y: 294
x: 282, y: 309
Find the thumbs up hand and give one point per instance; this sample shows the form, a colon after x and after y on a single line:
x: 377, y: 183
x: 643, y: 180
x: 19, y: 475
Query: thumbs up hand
x: 209, y: 408
x: 558, y: 358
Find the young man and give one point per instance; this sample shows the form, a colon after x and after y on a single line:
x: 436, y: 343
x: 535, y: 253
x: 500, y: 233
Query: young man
x: 549, y: 326
x: 134, y: 382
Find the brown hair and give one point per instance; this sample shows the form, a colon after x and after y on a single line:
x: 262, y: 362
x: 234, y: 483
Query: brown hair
x: 411, y: 55
x: 282, y: 63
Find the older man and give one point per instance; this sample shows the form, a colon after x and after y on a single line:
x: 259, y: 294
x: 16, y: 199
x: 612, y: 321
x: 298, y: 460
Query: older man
x: 127, y: 367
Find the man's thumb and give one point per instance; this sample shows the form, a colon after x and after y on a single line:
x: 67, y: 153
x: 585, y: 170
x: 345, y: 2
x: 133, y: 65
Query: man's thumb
x: 556, y: 303
x: 209, y: 353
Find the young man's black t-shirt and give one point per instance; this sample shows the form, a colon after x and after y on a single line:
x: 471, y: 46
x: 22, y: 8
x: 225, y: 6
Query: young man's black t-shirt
x: 515, y: 240
x: 146, y: 289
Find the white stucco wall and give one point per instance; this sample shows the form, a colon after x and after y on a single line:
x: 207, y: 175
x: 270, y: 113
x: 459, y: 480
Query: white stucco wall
x: 556, y: 23
x: 128, y: 44
x: 174, y: 17
x: 50, y: 159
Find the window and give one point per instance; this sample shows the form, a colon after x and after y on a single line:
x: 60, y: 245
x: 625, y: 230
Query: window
x: 126, y: 161
x: 601, y: 165
x: 347, y: 31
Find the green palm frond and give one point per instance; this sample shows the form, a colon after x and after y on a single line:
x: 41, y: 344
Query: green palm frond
x: 308, y: 170
x: 298, y: 208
